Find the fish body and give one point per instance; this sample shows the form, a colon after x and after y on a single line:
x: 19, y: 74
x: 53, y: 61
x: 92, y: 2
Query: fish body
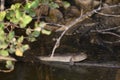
x: 67, y: 58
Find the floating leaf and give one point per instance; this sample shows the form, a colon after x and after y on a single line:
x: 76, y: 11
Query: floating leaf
x: 2, y: 15
x: 18, y: 52
x: 4, y: 53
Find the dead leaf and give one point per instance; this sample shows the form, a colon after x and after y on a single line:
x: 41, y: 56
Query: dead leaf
x: 18, y: 52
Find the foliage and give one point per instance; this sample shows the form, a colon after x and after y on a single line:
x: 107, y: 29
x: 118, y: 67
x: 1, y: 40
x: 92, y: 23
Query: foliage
x: 19, y: 16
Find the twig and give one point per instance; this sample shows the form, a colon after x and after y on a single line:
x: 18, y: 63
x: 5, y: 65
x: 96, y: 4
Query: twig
x: 2, y: 5
x: 58, y: 42
x: 58, y: 25
x: 103, y: 30
x: 109, y: 15
x: 78, y: 20
x: 110, y: 42
x: 7, y: 58
x: 110, y: 33
x: 111, y: 6
x: 6, y: 71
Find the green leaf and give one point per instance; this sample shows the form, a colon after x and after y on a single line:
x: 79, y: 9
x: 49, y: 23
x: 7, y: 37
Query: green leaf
x: 28, y: 10
x: 20, y: 39
x: 46, y: 32
x: 66, y: 4
x: 2, y: 25
x: 11, y: 35
x: 10, y: 14
x: 35, y: 4
x: 2, y: 34
x: 12, y: 49
x: 15, y: 6
x: 26, y: 19
x: 9, y: 65
x: 31, y: 38
x: 28, y: 31
x: 53, y: 5
x: 18, y: 14
x: 3, y: 45
x: 42, y: 25
x: 2, y: 15
x: 35, y: 33
x: 25, y: 47
x: 27, y: 6
x: 4, y: 53
x: 14, y: 20
x: 32, y: 13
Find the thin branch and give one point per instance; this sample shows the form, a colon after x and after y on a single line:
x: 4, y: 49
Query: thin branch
x: 103, y: 30
x: 58, y: 25
x: 2, y: 5
x: 110, y: 33
x: 108, y: 15
x: 111, y: 6
x: 2, y: 58
x: 7, y: 58
x: 58, y: 42
x: 6, y: 71
x: 78, y: 20
x: 110, y: 42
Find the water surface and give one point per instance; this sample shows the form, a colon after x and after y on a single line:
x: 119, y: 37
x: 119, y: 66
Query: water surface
x: 35, y: 71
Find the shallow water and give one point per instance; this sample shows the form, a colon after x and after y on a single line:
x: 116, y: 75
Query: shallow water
x: 37, y: 71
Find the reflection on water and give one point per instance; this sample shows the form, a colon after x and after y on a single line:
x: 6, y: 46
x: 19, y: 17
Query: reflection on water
x: 37, y: 71
x: 30, y: 71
